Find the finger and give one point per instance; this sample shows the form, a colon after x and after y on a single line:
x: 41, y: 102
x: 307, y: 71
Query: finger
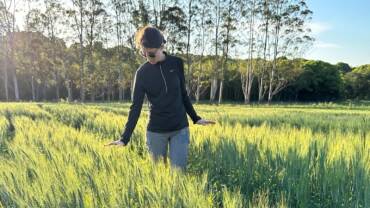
x: 209, y: 122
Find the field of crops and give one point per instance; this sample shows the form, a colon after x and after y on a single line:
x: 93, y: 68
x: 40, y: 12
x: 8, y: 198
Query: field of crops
x: 53, y: 155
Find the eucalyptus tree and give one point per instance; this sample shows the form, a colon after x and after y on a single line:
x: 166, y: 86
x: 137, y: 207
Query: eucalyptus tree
x: 173, y: 23
x: 216, y: 24
x: 229, y: 18
x: 201, y: 43
x: 8, y: 17
x: 103, y: 59
x: 52, y: 20
x: 78, y: 18
x: 4, y: 25
x: 192, y: 7
x: 264, y: 29
x: 30, y: 51
x: 125, y: 20
x: 290, y: 36
x: 48, y: 21
x: 71, y: 66
x: 95, y: 13
x: 141, y: 14
x: 250, y: 13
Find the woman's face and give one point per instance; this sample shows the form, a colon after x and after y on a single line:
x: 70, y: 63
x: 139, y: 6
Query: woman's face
x: 151, y: 54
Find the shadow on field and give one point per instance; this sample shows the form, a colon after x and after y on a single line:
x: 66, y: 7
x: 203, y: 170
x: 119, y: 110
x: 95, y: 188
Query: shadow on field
x: 300, y: 180
x: 7, y: 137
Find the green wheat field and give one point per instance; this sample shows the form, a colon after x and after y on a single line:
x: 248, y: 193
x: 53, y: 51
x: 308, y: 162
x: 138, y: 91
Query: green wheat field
x: 317, y: 155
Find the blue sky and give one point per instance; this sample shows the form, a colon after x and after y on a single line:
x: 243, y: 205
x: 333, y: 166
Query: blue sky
x: 342, y: 31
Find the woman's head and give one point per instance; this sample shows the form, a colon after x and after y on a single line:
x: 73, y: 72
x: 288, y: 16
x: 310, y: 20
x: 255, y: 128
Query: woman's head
x: 150, y: 42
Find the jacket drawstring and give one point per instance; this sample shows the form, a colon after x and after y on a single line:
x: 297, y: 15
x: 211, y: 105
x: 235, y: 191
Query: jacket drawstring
x: 160, y: 66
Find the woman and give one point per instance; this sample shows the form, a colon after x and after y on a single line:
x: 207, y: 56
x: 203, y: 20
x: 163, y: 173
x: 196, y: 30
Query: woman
x: 162, y: 80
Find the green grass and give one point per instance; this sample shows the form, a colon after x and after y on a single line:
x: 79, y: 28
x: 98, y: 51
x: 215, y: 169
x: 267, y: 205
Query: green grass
x: 296, y: 155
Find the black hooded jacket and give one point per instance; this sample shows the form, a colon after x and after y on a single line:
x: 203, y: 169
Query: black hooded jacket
x: 164, y: 85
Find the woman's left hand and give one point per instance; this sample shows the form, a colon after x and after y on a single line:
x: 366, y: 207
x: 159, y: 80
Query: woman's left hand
x: 204, y: 122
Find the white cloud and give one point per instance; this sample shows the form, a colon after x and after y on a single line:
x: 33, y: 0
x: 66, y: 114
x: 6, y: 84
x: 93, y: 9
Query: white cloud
x: 319, y: 27
x: 320, y: 44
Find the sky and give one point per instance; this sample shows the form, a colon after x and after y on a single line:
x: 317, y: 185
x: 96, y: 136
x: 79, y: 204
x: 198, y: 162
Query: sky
x: 342, y: 31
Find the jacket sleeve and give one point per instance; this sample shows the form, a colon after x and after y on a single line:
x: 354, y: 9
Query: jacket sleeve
x: 135, y: 108
x: 186, y: 100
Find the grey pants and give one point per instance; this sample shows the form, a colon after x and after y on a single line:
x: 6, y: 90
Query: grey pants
x: 177, y: 141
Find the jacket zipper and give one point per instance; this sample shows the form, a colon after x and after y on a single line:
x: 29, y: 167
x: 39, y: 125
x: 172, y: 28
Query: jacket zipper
x: 160, y: 66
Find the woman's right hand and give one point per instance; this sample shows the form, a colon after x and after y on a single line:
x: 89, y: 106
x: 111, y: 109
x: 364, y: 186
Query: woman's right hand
x: 117, y: 142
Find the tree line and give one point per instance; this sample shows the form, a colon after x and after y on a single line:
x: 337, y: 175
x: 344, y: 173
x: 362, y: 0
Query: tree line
x: 232, y: 49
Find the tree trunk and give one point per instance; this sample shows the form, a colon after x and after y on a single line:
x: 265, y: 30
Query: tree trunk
x: 37, y: 92
x: 57, y: 85
x: 5, y: 67
x: 15, y: 83
x: 69, y: 89
x: 93, y: 93
x: 82, y: 85
x: 197, y: 94
x: 260, y: 89
x: 33, y: 88
x: 13, y: 67
x: 269, y: 99
x: 109, y: 93
x: 120, y: 88
x: 220, y: 92
x: 214, y: 76
x: 188, y: 83
x: 123, y: 90
x: 6, y: 80
x: 213, y: 89
x: 82, y: 88
x: 44, y: 91
x: 250, y: 67
x: 273, y: 68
